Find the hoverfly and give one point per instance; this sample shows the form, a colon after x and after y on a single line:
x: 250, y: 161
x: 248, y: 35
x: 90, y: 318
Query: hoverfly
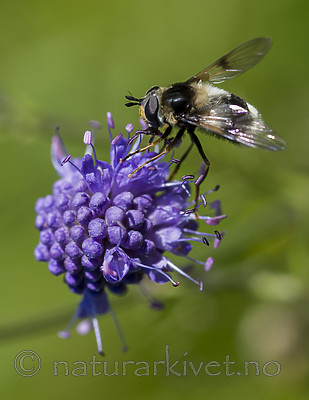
x: 196, y: 103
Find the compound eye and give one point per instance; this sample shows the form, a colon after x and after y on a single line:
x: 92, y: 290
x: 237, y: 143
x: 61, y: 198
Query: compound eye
x: 151, y: 111
x: 152, y: 89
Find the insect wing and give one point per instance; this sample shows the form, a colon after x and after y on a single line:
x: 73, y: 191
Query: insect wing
x: 240, y: 126
x: 234, y: 63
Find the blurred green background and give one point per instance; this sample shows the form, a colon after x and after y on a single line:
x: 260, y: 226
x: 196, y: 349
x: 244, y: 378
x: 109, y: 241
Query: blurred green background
x: 64, y: 63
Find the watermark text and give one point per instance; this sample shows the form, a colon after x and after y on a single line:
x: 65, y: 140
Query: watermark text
x: 28, y: 363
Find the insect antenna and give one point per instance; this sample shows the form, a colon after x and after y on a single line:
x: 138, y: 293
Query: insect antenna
x: 134, y: 101
x: 130, y: 104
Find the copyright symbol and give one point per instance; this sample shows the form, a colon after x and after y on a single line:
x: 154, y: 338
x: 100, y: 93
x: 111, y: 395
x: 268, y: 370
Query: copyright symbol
x: 27, y: 363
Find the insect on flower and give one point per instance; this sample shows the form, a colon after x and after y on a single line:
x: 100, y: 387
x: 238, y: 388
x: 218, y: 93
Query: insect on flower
x: 196, y: 103
x: 103, y: 230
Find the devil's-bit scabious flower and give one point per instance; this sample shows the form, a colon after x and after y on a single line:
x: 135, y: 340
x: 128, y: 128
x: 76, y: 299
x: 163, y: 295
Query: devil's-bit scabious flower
x: 104, y: 230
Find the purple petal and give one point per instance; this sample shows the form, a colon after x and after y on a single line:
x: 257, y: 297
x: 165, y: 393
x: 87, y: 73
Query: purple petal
x: 97, y: 228
x: 124, y: 200
x: 114, y: 215
x: 56, y: 267
x: 134, y: 219
x: 166, y: 238
x: 92, y: 248
x: 115, y: 266
x: 92, y: 304
x: 133, y: 240
x: 99, y: 203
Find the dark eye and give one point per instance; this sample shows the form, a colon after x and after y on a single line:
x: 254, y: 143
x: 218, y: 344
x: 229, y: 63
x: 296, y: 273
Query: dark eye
x: 151, y: 111
x: 152, y: 89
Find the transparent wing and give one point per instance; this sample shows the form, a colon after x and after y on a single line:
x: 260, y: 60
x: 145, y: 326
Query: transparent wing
x: 238, y: 125
x: 235, y: 62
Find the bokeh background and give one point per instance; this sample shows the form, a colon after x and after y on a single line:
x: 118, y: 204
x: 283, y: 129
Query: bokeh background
x: 64, y: 63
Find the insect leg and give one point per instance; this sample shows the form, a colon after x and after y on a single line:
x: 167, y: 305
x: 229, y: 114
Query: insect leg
x: 183, y: 157
x: 162, y: 137
x: 154, y: 133
x: 205, y: 170
x: 163, y: 151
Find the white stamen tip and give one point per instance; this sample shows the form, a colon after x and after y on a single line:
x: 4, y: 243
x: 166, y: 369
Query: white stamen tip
x: 84, y: 327
x: 64, y: 334
x: 129, y: 128
x: 87, y: 137
x: 110, y: 120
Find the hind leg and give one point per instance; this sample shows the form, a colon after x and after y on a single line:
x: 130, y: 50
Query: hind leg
x: 205, y: 168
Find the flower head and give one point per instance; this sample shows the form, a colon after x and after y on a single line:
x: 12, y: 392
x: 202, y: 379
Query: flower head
x: 104, y: 230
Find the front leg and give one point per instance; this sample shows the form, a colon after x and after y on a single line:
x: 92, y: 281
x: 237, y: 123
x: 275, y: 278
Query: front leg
x: 149, y: 131
x: 165, y: 149
x: 162, y: 137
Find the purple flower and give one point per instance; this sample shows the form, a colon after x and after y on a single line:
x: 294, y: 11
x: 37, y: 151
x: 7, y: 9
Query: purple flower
x: 104, y: 230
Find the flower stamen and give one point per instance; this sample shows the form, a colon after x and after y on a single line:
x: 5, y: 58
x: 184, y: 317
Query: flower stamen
x: 104, y: 231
